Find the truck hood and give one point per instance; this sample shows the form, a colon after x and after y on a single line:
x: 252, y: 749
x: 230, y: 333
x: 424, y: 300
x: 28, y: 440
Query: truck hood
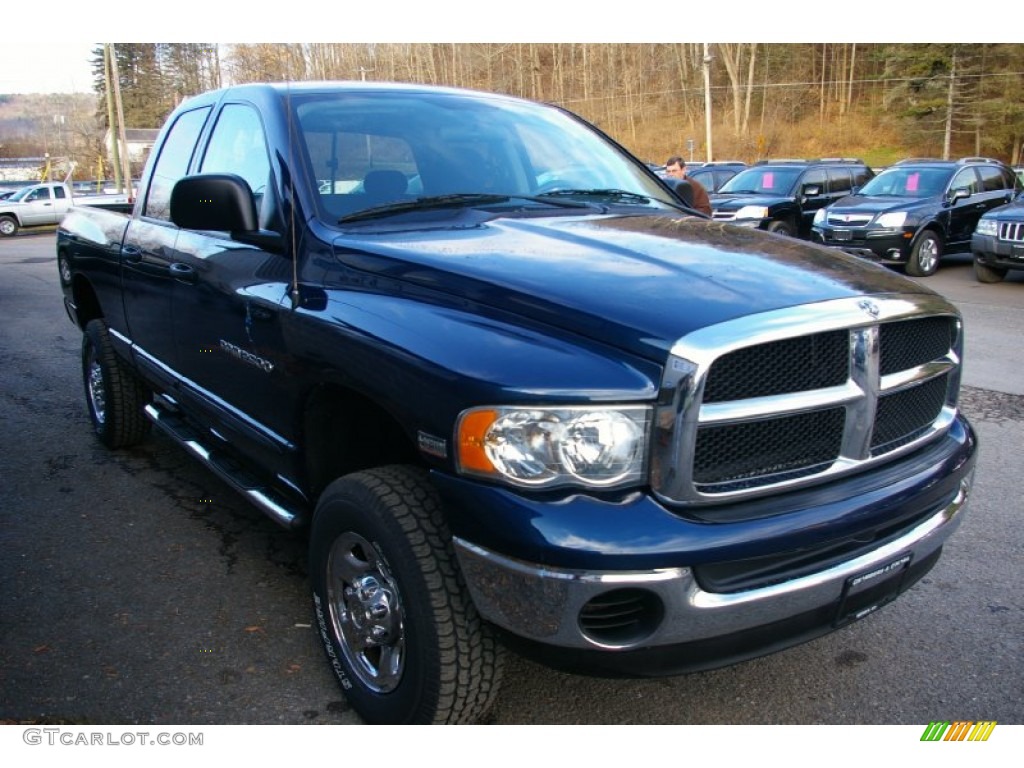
x: 1011, y: 212
x: 638, y: 282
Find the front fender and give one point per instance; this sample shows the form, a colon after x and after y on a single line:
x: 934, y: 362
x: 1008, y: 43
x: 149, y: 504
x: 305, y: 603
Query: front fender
x: 426, y: 362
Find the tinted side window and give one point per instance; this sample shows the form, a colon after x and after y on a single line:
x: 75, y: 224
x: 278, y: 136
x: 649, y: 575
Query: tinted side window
x: 992, y: 179
x: 860, y: 177
x: 965, y: 179
x: 815, y: 176
x: 43, y: 193
x: 58, y: 192
x: 172, y: 164
x: 839, y: 180
x: 238, y: 145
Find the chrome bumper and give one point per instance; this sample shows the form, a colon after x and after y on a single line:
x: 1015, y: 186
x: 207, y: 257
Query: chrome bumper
x: 544, y: 604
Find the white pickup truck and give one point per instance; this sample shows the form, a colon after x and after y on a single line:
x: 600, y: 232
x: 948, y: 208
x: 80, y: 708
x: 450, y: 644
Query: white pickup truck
x: 42, y: 204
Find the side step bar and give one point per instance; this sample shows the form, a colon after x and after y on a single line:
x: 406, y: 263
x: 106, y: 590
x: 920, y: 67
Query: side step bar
x: 284, y: 512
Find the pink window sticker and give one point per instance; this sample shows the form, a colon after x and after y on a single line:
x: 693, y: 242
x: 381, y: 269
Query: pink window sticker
x: 768, y: 180
x: 912, y: 180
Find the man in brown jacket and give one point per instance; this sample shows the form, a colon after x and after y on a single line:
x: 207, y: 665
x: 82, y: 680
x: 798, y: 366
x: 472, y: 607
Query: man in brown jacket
x: 675, y: 167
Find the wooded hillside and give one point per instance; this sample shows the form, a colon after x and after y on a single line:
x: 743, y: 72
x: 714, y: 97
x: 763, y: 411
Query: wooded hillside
x: 880, y: 102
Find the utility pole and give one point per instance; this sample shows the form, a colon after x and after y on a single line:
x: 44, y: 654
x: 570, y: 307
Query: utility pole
x: 125, y: 166
x: 707, y: 101
x: 115, y: 150
x: 947, y: 139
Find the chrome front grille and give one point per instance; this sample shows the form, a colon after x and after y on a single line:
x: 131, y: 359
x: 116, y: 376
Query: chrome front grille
x: 1011, y: 231
x: 849, y: 219
x: 797, y: 396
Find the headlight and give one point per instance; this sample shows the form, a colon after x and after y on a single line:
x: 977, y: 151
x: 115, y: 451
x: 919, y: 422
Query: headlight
x: 987, y: 227
x: 752, y: 212
x: 891, y: 220
x: 819, y: 216
x: 548, y: 447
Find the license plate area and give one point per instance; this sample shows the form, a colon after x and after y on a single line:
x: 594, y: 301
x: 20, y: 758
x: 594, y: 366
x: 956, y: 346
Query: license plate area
x: 868, y: 591
x: 1018, y: 252
x: 842, y: 234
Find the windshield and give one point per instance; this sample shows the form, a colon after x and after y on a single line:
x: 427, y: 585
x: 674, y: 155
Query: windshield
x: 908, y: 182
x: 763, y: 181
x: 392, y: 149
x: 18, y: 196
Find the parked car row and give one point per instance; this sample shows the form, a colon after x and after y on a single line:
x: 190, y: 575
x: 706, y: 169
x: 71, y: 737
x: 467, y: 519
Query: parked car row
x: 909, y: 214
x: 711, y: 175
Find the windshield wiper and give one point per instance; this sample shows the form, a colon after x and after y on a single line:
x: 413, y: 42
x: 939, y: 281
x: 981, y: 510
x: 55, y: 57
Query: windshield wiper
x: 461, y: 200
x: 617, y: 195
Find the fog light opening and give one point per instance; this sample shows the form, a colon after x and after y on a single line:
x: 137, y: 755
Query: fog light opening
x: 621, y: 618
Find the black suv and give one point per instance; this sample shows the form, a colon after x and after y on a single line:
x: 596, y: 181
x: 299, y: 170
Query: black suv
x: 916, y: 210
x: 783, y: 195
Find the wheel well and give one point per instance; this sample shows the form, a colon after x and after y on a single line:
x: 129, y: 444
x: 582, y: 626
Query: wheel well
x: 86, y: 303
x: 935, y: 228
x: 346, y: 432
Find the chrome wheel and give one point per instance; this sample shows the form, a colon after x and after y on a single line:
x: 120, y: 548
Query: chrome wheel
x: 925, y: 255
x: 366, y: 612
x: 95, y: 389
x: 65, y: 270
x: 928, y: 255
x: 8, y: 226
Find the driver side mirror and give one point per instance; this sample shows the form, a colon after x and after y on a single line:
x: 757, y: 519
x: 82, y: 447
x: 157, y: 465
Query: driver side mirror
x: 214, y: 201
x: 221, y: 202
x: 960, y: 193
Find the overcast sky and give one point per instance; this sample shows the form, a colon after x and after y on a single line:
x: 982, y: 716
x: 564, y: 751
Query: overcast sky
x: 35, y: 68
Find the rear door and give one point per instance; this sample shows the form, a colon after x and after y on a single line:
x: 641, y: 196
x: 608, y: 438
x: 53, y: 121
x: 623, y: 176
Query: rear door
x: 147, y: 256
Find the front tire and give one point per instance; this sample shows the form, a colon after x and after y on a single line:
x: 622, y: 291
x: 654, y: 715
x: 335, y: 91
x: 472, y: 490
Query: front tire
x: 8, y: 226
x: 925, y: 255
x: 782, y: 228
x: 986, y: 274
x: 399, y: 629
x: 113, y: 392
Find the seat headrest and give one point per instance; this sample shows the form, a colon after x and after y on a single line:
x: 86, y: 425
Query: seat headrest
x: 385, y: 183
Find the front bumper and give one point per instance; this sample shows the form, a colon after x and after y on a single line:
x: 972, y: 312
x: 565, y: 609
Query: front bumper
x: 729, y: 217
x: 883, y: 245
x: 993, y: 252
x: 674, y: 621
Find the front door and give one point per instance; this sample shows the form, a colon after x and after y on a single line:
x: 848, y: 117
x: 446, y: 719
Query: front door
x: 229, y: 299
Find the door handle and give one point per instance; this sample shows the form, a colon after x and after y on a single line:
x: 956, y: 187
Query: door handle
x: 183, y: 273
x: 131, y: 254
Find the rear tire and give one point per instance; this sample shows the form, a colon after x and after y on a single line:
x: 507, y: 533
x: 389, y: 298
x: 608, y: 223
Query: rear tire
x: 398, y: 626
x: 113, y: 392
x: 925, y: 255
x: 986, y: 274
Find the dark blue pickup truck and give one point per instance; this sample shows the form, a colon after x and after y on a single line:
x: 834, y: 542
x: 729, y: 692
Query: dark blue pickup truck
x: 517, y: 392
